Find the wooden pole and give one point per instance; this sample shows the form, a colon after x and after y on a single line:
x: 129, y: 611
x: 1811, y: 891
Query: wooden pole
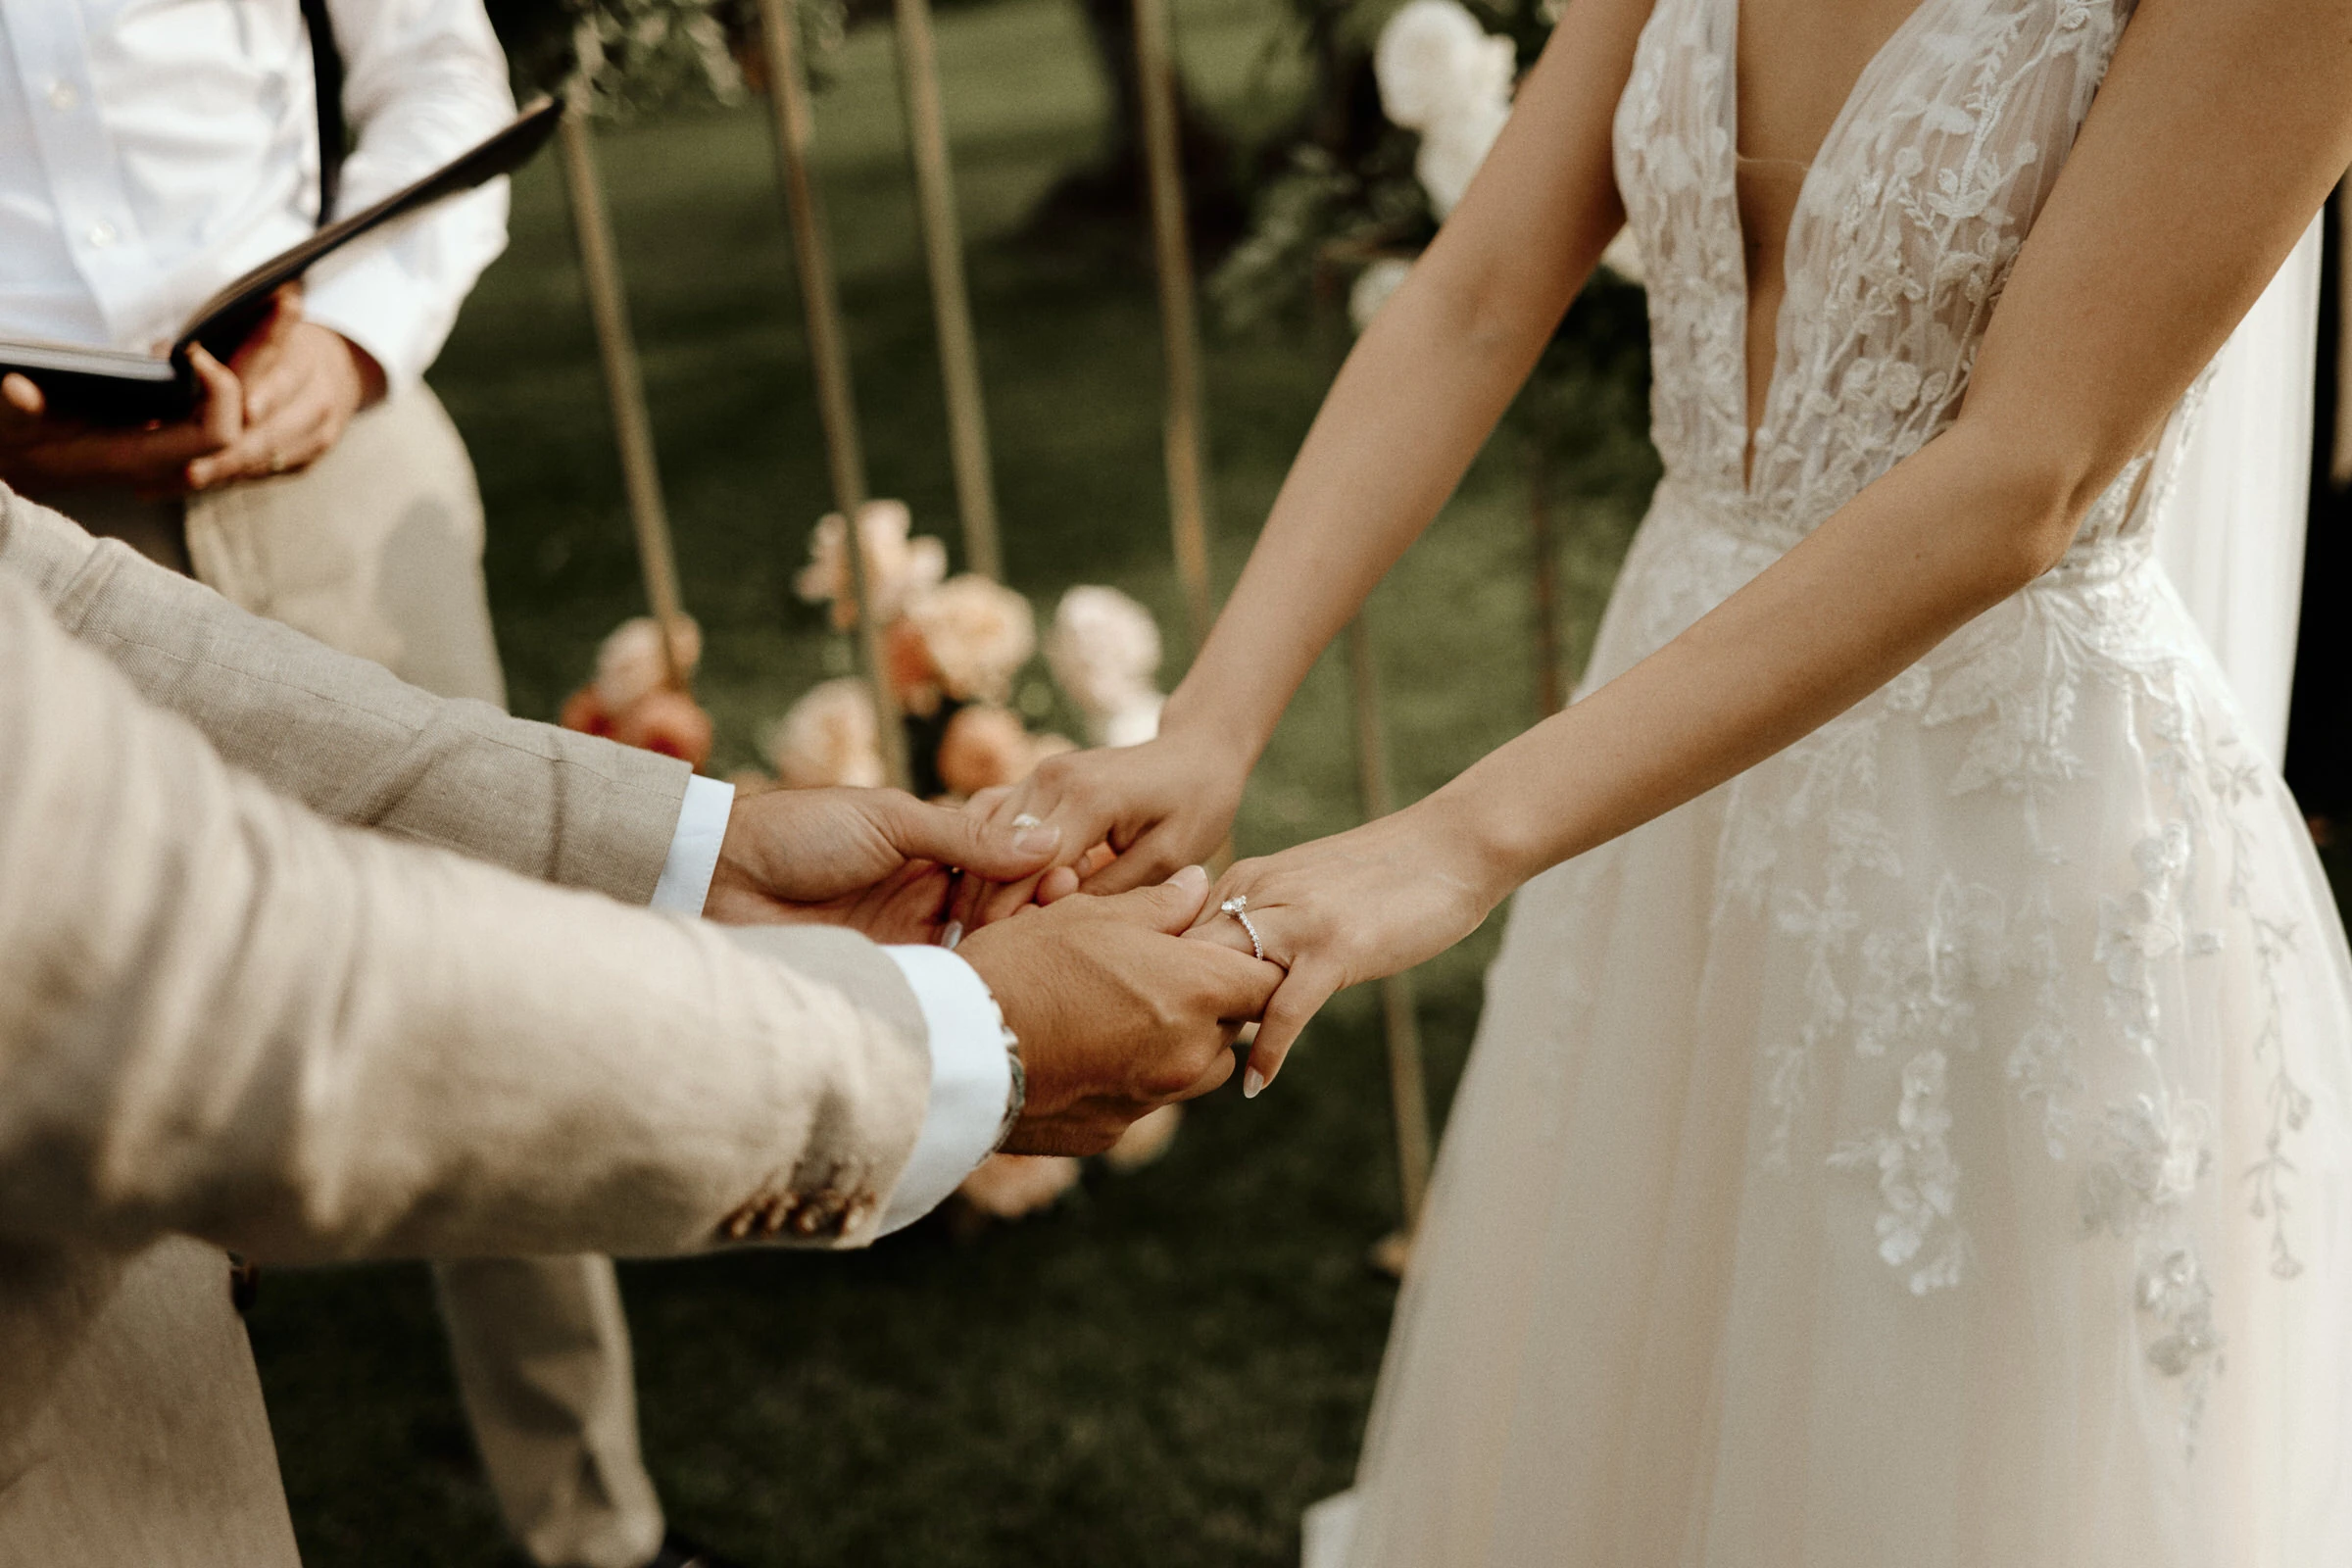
x: 624, y: 380
x: 1408, y: 1094
x: 1188, y: 493
x: 795, y: 126
x: 950, y: 300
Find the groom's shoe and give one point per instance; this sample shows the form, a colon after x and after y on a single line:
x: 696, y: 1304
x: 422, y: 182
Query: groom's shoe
x: 683, y: 1552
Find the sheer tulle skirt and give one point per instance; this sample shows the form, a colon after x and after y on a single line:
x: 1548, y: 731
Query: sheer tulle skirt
x: 1928, y: 1148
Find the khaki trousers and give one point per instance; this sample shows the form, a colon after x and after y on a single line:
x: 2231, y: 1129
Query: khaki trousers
x: 376, y: 549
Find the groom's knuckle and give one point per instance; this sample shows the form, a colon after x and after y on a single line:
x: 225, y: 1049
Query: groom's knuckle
x: 1171, y: 1075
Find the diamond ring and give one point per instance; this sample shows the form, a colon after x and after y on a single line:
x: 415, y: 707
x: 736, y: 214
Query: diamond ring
x: 1239, y: 908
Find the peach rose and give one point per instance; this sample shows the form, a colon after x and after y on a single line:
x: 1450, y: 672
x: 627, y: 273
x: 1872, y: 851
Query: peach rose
x: 630, y: 662
x: 979, y: 635
x: 982, y: 748
x: 829, y: 737
x: 898, y: 567
x: 668, y: 722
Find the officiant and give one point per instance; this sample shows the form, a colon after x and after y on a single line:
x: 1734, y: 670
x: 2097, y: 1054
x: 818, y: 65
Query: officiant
x: 151, y: 152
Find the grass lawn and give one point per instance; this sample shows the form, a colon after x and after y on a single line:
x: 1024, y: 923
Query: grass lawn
x: 1168, y: 1368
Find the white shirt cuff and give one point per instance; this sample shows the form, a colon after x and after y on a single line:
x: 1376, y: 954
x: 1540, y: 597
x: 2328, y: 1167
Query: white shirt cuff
x: 685, y: 884
x: 971, y: 1080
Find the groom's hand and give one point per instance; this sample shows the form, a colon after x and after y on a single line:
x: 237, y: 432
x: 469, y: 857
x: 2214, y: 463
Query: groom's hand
x: 876, y: 860
x: 1116, y: 1014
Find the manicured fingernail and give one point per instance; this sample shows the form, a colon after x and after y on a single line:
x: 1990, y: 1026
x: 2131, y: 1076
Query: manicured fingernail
x: 1034, y: 837
x: 1027, y: 820
x: 1253, y: 1081
x: 1192, y: 875
x: 951, y: 935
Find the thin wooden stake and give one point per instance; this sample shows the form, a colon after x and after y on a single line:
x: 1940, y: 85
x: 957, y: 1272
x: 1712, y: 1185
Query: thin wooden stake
x: 624, y: 380
x: 1408, y: 1094
x: 950, y: 300
x: 1188, y: 491
x: 795, y: 126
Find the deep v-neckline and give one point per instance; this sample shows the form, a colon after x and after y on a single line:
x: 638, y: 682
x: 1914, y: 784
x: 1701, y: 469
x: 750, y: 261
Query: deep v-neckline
x: 1728, y: 111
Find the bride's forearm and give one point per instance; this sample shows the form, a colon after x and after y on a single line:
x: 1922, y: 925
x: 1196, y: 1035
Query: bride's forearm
x: 1406, y: 415
x: 1426, y: 383
x: 1948, y: 533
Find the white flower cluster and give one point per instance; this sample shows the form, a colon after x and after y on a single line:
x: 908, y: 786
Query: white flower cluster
x: 1441, y: 74
x: 1104, y: 651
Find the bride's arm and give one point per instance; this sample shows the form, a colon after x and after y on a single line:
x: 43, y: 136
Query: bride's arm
x: 2218, y: 131
x: 1409, y: 411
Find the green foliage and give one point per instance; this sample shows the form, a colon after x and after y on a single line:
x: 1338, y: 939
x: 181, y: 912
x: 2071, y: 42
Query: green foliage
x: 1344, y: 195
x: 1316, y: 221
x: 650, y: 55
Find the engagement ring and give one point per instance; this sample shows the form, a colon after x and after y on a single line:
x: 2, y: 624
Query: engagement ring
x: 1239, y: 908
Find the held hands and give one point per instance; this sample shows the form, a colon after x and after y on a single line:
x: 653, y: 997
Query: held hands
x: 284, y: 400
x: 1116, y: 1014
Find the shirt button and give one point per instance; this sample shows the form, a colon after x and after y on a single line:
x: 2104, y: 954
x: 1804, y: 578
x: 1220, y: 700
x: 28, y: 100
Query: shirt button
x: 102, y: 234
x: 62, y: 95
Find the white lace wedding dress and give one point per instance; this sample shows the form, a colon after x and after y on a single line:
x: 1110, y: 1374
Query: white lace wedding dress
x: 1929, y: 1149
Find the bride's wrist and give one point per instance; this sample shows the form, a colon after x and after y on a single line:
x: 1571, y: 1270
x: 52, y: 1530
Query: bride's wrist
x: 1464, y: 842
x: 1205, y: 729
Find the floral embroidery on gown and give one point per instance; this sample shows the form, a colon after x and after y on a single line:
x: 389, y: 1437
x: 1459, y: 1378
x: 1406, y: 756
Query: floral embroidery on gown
x: 1930, y: 1148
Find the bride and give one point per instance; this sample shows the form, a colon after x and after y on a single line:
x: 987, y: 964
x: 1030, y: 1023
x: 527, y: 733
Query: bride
x: 1909, y: 1122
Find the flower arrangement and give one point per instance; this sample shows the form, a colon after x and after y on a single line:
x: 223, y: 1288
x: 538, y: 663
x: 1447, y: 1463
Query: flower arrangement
x: 953, y: 650
x: 1368, y: 189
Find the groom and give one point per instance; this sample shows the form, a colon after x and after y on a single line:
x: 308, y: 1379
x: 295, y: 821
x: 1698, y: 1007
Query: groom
x: 251, y: 998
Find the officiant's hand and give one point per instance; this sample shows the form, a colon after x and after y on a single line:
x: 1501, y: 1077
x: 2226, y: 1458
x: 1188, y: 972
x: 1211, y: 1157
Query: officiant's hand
x: 303, y: 382
x: 1116, y: 1014
x: 876, y: 860
x: 40, y: 453
x: 1358, y: 905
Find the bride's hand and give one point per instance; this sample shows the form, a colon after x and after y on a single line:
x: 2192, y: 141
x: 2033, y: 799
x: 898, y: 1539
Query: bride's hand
x: 1358, y: 905
x: 1160, y: 806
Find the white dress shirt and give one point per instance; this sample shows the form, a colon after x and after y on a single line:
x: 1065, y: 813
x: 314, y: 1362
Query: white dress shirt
x: 971, y: 1068
x: 153, y: 150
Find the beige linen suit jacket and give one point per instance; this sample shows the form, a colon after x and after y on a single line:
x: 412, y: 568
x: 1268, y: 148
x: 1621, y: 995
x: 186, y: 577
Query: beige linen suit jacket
x: 227, y: 1022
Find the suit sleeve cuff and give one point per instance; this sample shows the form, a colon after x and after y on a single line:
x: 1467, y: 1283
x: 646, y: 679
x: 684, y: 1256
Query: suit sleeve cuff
x: 702, y: 828
x: 971, y: 1080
